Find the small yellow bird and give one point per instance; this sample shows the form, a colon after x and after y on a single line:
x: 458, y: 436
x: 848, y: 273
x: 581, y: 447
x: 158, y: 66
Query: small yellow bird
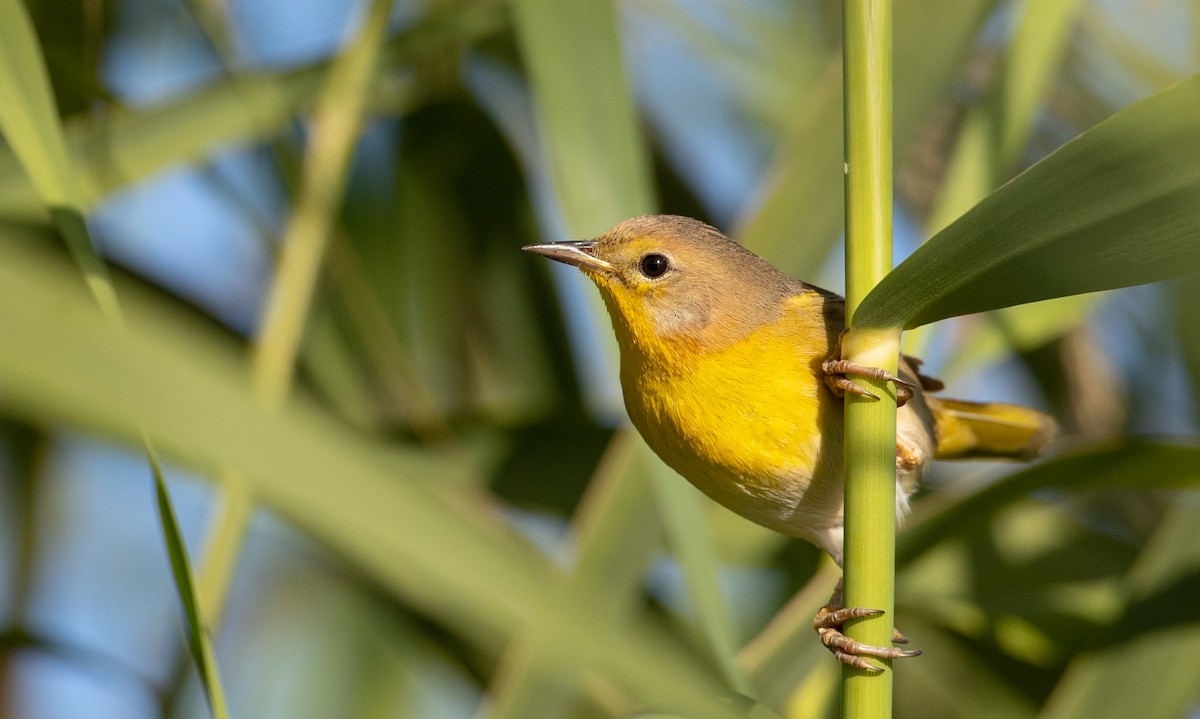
x: 730, y: 371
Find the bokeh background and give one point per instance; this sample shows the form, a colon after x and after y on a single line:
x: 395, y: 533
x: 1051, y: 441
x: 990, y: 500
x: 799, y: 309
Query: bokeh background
x: 446, y: 517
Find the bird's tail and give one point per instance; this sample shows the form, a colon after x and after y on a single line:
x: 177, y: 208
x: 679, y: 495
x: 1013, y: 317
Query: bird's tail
x: 991, y: 429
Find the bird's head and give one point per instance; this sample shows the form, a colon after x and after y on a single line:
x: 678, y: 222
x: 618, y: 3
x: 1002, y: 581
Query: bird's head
x: 669, y: 280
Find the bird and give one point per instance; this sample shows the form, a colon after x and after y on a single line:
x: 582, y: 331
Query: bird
x: 731, y: 372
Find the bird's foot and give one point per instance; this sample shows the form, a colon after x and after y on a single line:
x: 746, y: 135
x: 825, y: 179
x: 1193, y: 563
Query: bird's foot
x: 836, y: 370
x: 828, y: 624
x: 836, y: 380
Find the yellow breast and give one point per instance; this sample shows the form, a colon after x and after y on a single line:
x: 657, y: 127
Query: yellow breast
x: 742, y: 421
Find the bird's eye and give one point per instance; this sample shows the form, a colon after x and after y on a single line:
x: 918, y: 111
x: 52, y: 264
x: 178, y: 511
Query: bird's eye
x: 654, y: 265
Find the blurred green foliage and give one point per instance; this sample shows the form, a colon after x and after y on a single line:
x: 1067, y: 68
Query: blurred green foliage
x: 448, y: 518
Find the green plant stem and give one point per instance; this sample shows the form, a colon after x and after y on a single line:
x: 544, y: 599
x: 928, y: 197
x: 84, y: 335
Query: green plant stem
x: 223, y: 544
x: 336, y: 125
x: 335, y: 129
x: 869, y: 559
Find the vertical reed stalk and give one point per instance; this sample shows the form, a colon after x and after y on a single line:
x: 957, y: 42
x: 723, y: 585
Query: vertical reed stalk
x: 870, y: 425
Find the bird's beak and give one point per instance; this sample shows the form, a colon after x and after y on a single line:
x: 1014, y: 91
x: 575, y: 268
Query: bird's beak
x: 579, y: 253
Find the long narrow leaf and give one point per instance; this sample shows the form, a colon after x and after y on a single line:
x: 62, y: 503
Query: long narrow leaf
x: 617, y: 530
x: 335, y: 128
x: 682, y: 510
x: 199, y: 641
x: 599, y: 163
x: 128, y: 145
x: 28, y: 116
x: 371, y: 501
x: 1117, y: 206
x: 1149, y: 669
x: 1114, y: 464
x: 29, y: 121
x: 996, y: 132
x: 796, y: 220
x: 599, y: 169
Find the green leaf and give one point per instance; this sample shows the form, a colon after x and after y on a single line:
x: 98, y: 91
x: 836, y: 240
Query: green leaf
x: 1023, y: 328
x: 1117, y: 206
x: 952, y: 680
x: 380, y: 504
x: 599, y: 162
x: 786, y: 662
x: 1187, y: 330
x: 599, y: 169
x: 135, y: 144
x: 1106, y: 34
x: 996, y: 132
x: 30, y: 124
x: 124, y: 146
x: 617, y: 530
x: 691, y: 541
x: 797, y: 219
x: 197, y: 629
x: 336, y: 125
x: 1125, y: 463
x: 1148, y: 669
x: 28, y: 116
x: 993, y: 136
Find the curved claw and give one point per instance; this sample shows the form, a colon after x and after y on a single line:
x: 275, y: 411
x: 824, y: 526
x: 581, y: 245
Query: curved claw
x: 835, y: 618
x: 852, y: 652
x: 835, y: 378
x: 828, y: 623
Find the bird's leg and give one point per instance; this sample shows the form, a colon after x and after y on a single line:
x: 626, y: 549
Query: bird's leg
x: 836, y: 369
x: 828, y: 623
